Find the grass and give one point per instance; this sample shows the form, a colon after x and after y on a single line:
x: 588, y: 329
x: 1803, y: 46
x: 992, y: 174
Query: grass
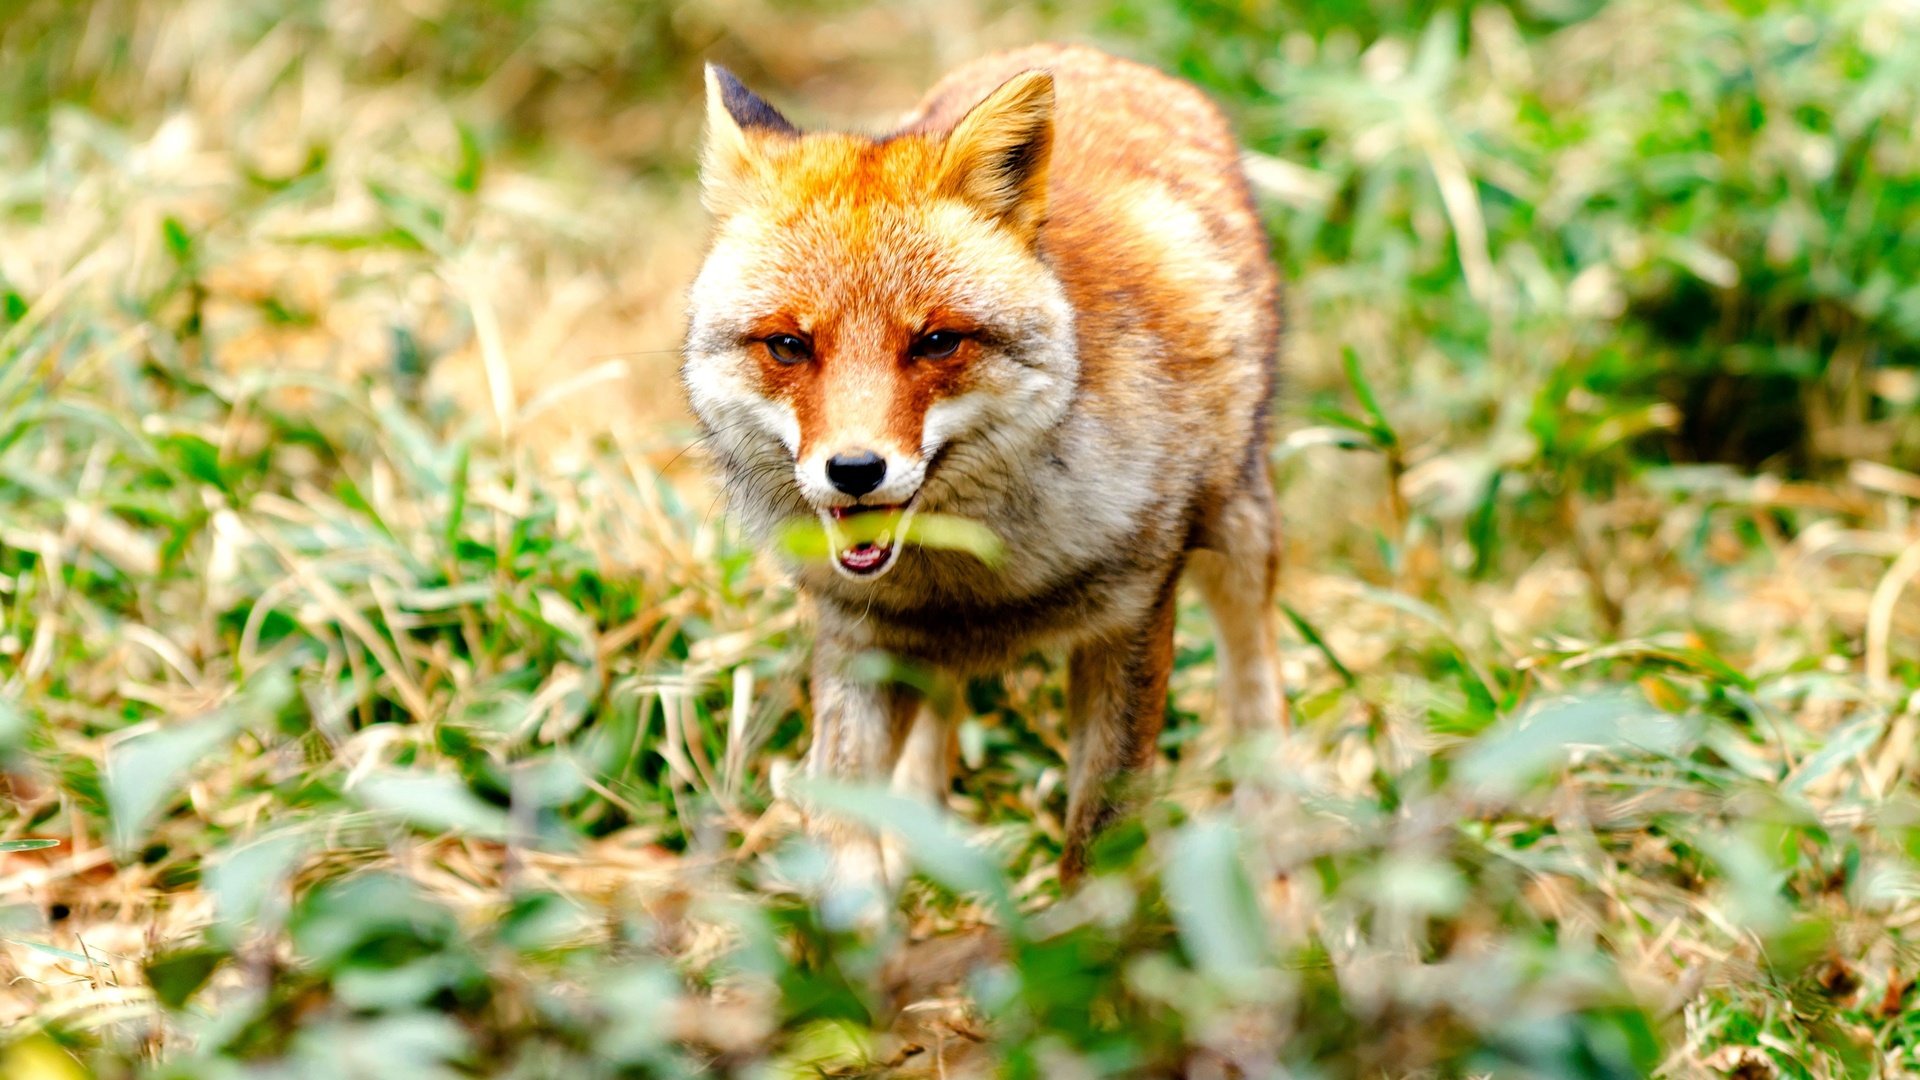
x: 383, y: 692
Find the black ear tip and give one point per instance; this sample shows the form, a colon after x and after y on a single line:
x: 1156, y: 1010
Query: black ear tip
x: 747, y: 108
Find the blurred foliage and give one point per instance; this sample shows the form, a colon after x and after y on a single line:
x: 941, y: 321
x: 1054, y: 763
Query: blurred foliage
x: 1711, y: 206
x: 350, y: 729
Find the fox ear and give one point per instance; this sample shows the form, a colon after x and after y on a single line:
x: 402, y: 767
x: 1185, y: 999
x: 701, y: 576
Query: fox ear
x: 737, y: 119
x: 996, y: 157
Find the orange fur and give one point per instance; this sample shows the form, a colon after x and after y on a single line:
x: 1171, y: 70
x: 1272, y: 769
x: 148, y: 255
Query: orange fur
x: 1082, y: 223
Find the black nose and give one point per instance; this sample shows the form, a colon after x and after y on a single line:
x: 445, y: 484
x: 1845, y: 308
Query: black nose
x: 856, y: 472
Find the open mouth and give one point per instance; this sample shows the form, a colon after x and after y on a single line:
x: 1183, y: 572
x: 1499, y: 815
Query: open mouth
x: 866, y: 539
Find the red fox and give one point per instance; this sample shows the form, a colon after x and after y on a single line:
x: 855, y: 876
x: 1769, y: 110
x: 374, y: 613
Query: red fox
x: 1044, y: 304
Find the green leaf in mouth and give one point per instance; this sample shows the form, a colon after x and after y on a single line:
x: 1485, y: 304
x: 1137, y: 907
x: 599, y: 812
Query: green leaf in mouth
x: 806, y: 539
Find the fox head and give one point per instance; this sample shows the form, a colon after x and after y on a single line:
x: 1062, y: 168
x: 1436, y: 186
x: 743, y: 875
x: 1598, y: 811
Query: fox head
x: 876, y: 325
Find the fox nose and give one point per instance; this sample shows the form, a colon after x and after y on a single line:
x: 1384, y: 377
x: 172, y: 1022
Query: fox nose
x: 856, y: 472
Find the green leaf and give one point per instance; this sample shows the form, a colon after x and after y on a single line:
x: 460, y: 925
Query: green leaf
x: 825, y: 1048
x: 243, y: 878
x: 195, y: 456
x: 179, y: 241
x: 1314, y: 639
x: 177, y: 976
x: 956, y: 534
x: 806, y: 539
x: 348, y: 240
x: 457, y: 489
x: 1338, y: 419
x: 433, y: 802
x: 1430, y: 615
x: 930, y: 841
x: 54, y: 950
x: 1514, y: 755
x: 641, y: 996
x: 466, y: 175
x: 414, y: 1045
x: 1845, y: 744
x: 1417, y: 884
x: 26, y: 845
x: 13, y: 726
x: 145, y: 772
x: 1482, y: 526
x: 1752, y: 880
x: 333, y: 923
x: 1377, y: 426
x: 1213, y: 905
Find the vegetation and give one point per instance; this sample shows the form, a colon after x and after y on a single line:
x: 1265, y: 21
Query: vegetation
x: 383, y: 694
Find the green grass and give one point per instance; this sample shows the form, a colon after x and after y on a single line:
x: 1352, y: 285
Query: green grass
x: 383, y: 692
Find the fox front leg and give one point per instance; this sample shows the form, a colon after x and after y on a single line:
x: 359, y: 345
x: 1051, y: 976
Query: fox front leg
x: 1116, y: 703
x: 857, y: 731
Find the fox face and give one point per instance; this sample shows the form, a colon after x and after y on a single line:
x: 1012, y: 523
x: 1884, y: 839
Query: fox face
x: 875, y: 327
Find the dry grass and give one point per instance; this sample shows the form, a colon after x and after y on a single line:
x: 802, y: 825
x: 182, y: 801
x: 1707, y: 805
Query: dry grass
x: 349, y: 541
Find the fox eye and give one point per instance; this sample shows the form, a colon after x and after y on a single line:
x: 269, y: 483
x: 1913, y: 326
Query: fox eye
x: 938, y: 345
x: 788, y: 349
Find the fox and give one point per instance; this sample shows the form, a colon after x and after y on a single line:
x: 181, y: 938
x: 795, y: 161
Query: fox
x: 1044, y: 302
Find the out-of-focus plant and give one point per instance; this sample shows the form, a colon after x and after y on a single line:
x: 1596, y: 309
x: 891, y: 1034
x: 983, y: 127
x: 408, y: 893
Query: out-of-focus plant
x: 345, y: 733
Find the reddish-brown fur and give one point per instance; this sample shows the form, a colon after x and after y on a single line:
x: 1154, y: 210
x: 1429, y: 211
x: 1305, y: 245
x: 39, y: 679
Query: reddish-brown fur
x: 1090, y: 232
x: 809, y: 388
x: 1115, y: 119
